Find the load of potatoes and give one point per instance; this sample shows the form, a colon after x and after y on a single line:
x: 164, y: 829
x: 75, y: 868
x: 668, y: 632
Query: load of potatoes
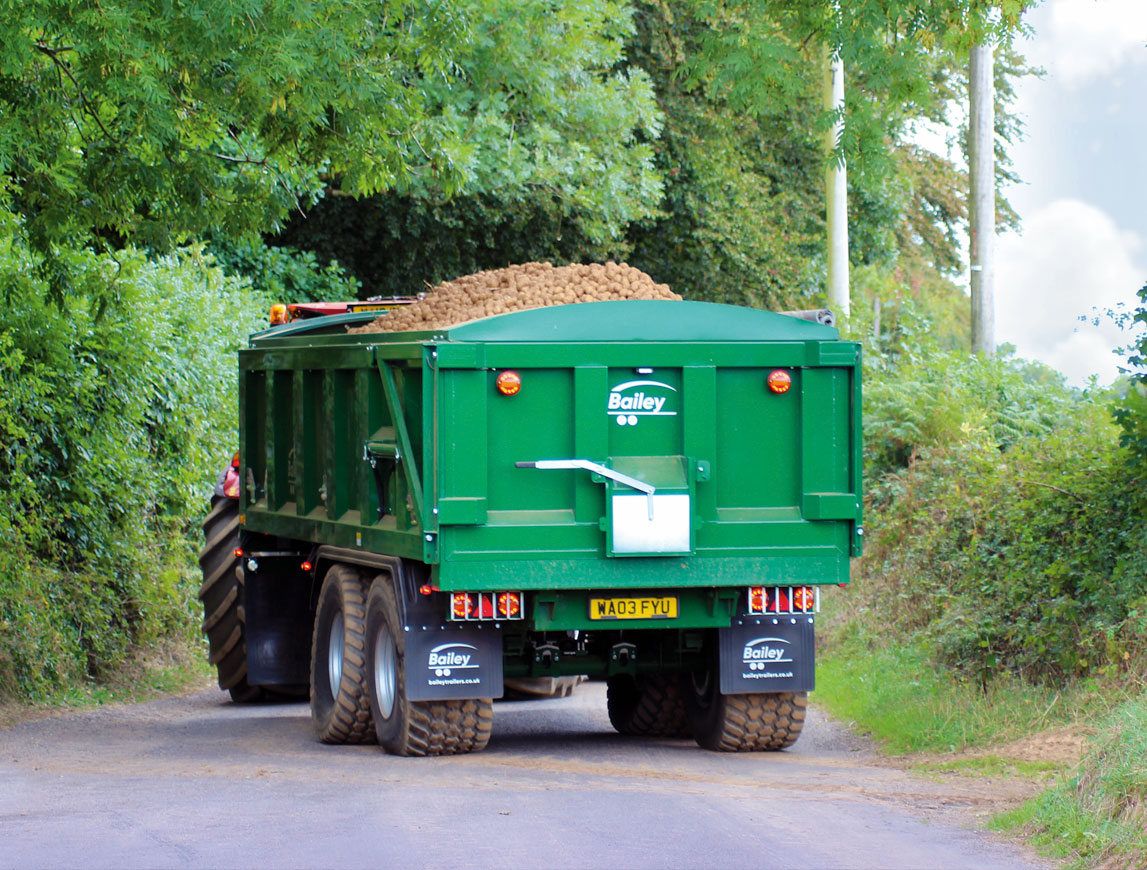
x: 516, y: 288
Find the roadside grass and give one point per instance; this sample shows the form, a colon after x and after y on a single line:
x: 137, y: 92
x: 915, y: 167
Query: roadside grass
x: 165, y: 668
x: 899, y: 695
x: 1092, y: 813
x: 1098, y: 815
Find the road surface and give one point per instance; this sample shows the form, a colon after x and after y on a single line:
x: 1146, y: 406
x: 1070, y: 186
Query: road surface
x: 195, y: 781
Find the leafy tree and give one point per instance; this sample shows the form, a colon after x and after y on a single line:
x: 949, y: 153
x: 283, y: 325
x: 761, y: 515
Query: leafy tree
x: 153, y: 122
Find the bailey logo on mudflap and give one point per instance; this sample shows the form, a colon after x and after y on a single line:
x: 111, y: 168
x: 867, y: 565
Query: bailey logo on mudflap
x: 767, y: 655
x: 463, y: 662
x: 447, y: 658
x: 762, y: 653
x: 631, y: 401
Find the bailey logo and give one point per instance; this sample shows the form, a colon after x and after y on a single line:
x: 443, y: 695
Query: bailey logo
x: 631, y: 401
x: 449, y: 657
x: 763, y: 652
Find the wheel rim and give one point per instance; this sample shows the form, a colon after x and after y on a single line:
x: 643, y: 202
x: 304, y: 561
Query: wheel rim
x: 335, y: 654
x: 385, y: 671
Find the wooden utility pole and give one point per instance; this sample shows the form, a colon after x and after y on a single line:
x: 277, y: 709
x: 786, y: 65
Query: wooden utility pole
x: 836, y: 190
x: 982, y: 208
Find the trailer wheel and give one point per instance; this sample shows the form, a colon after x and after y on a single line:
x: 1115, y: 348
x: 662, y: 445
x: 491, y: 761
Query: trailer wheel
x: 648, y: 705
x: 413, y: 727
x: 340, y: 710
x: 742, y: 723
x: 224, y: 622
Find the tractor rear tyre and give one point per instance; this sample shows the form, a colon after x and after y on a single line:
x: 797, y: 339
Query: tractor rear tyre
x: 742, y: 723
x: 224, y: 622
x: 647, y: 705
x: 407, y: 727
x: 340, y: 709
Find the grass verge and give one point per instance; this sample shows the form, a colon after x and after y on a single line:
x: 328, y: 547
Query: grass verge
x: 1093, y: 814
x: 1098, y: 815
x: 166, y: 668
x: 898, y: 695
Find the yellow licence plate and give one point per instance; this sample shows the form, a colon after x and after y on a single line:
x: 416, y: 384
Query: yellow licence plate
x: 664, y: 607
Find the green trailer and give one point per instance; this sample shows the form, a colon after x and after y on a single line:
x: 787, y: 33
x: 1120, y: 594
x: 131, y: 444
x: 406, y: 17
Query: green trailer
x: 650, y: 493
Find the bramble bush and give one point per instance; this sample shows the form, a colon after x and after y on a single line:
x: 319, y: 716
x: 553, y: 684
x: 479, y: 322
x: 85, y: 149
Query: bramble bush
x: 1005, y: 519
x: 112, y: 422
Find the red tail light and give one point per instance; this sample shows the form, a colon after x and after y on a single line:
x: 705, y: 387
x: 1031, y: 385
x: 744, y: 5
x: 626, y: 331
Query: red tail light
x: 509, y: 604
x: 804, y: 599
x: 471, y: 606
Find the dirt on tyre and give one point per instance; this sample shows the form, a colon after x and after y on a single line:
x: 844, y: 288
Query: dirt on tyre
x: 340, y: 709
x: 647, y: 705
x: 407, y: 727
x: 224, y: 621
x: 763, y: 722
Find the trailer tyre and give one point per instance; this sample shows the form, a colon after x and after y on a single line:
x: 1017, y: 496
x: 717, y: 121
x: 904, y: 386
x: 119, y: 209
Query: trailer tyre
x: 414, y: 727
x: 648, y: 705
x: 224, y: 622
x: 742, y: 723
x: 340, y: 709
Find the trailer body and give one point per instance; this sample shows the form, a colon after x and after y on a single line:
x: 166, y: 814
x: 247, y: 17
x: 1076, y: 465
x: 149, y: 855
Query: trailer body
x: 596, y: 489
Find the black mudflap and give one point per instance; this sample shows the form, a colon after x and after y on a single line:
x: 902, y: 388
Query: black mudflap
x: 767, y: 654
x: 453, y: 662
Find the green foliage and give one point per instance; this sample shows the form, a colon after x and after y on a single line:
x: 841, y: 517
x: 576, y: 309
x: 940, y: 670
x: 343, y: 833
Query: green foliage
x: 284, y: 274
x: 1131, y: 412
x: 398, y: 245
x: 112, y: 421
x: 1096, y: 817
x: 151, y: 123
x: 1013, y: 548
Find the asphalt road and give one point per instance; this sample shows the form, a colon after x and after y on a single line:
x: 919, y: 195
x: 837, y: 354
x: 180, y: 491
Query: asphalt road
x: 196, y: 781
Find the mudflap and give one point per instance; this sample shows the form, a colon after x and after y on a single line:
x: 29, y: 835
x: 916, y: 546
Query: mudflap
x: 767, y: 654
x: 454, y: 662
x: 277, y: 605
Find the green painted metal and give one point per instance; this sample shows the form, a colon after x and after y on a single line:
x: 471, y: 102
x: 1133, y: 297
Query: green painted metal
x: 773, y: 481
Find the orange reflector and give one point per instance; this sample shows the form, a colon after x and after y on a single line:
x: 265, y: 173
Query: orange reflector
x: 779, y: 381
x: 804, y: 598
x: 509, y: 383
x: 278, y: 314
x: 509, y: 604
x: 235, y: 460
x: 425, y: 589
x: 307, y: 566
x: 238, y: 552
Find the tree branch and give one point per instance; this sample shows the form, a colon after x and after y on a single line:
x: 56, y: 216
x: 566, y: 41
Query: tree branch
x: 1056, y: 488
x: 54, y: 54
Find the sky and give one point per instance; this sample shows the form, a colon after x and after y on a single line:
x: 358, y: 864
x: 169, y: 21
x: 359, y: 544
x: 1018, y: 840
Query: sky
x: 1082, y: 248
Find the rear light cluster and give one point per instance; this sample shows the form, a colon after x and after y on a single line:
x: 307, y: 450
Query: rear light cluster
x: 479, y: 606
x: 783, y: 599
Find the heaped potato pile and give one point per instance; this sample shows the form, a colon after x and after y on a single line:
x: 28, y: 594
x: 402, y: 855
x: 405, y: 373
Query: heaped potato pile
x: 516, y: 288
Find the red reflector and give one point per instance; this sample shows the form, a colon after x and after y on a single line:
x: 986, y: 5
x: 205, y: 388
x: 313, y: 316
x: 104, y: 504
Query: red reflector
x: 782, y: 602
x: 307, y: 566
x: 235, y: 460
x: 425, y: 589
x: 238, y: 552
x: 509, y: 383
x: 779, y: 381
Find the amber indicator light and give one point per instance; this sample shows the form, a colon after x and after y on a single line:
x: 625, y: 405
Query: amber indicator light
x: 780, y: 381
x: 509, y: 383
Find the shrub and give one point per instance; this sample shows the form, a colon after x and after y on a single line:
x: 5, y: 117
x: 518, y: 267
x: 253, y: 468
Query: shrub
x: 116, y: 410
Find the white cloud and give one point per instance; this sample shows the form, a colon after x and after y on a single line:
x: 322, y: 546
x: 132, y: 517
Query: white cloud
x: 1071, y: 261
x: 1082, y: 40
